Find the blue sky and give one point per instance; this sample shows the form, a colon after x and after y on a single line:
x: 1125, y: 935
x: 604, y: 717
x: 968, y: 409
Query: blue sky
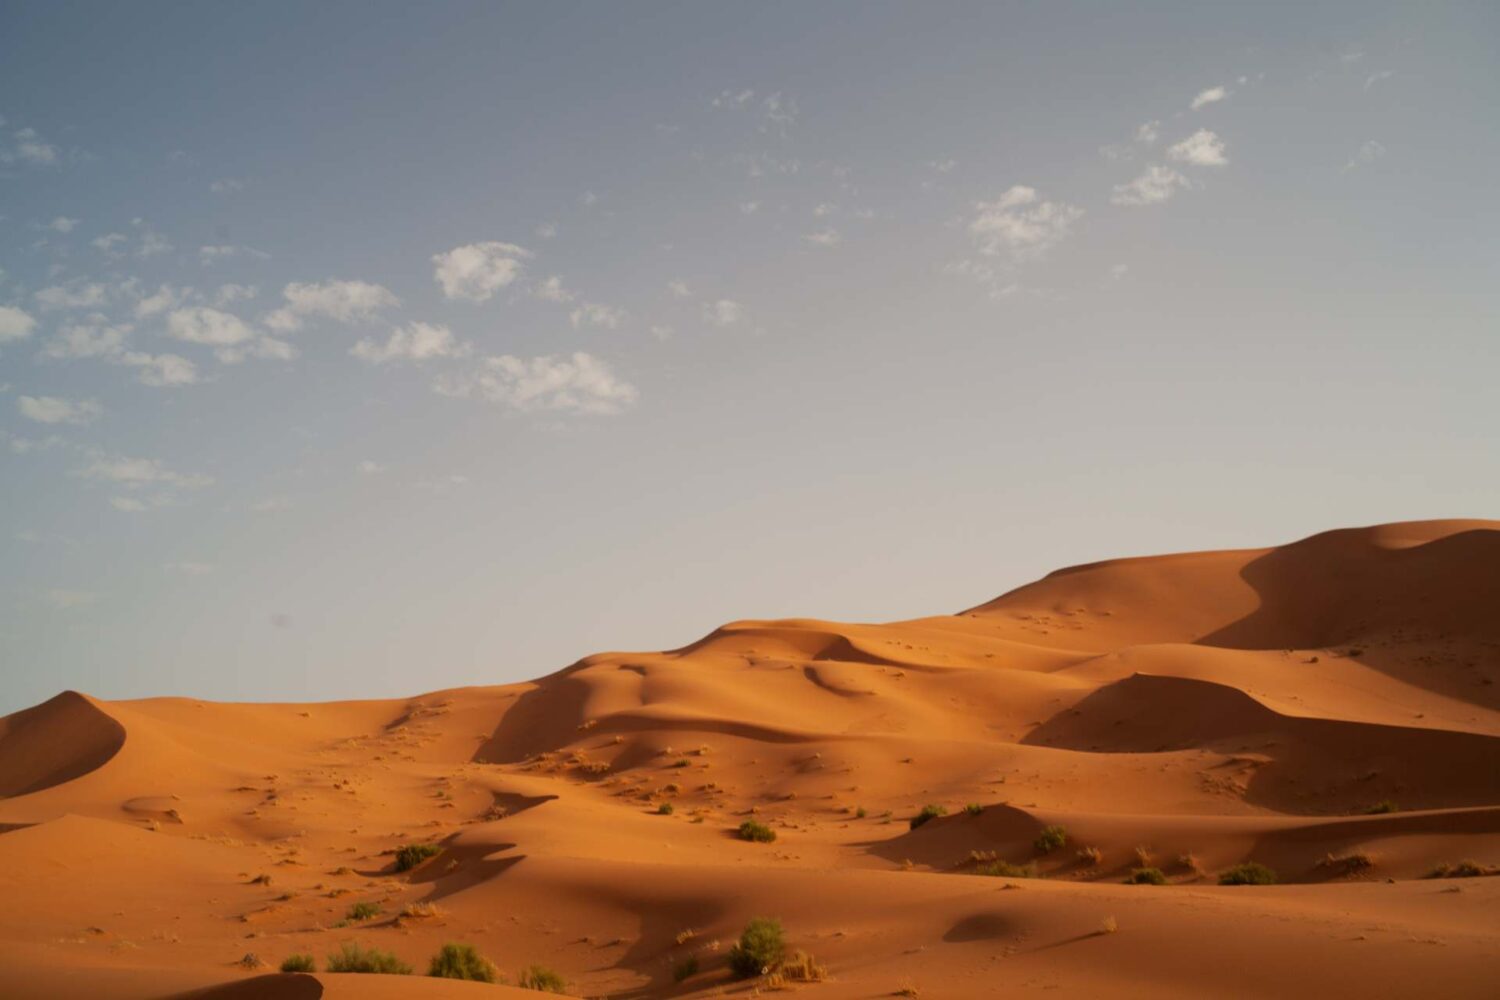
x: 352, y: 350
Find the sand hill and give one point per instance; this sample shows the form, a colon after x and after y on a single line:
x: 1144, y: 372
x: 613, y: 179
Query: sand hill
x: 1327, y: 709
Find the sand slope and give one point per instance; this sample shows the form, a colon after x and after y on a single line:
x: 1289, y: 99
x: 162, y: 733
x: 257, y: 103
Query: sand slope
x: 1328, y: 708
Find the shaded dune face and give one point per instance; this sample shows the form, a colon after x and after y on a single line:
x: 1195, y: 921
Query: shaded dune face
x: 55, y: 742
x: 1329, y: 708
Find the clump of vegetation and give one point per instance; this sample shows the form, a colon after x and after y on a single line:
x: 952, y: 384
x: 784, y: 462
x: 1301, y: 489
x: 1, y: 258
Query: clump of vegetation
x: 1248, y: 873
x: 860, y: 813
x: 420, y: 911
x: 461, y: 961
x: 1004, y: 869
x: 928, y: 812
x: 1147, y: 876
x: 1345, y: 864
x: 759, y: 949
x: 541, y: 979
x: 1464, y: 869
x: 800, y: 968
x: 363, y: 911
x: 1050, y: 839
x: 413, y: 855
x: 1108, y: 925
x: 756, y: 831
x: 973, y: 809
x: 299, y: 963
x: 1090, y: 855
x: 665, y: 809
x: 353, y: 958
x: 685, y: 969
x: 1382, y: 807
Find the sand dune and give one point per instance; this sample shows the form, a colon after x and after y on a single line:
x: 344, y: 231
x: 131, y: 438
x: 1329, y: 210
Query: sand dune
x: 1328, y: 709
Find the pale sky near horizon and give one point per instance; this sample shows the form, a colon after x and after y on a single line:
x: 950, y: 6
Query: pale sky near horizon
x: 356, y: 350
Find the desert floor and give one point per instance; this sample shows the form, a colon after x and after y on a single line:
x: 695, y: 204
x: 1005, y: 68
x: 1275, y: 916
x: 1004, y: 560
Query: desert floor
x: 1328, y: 709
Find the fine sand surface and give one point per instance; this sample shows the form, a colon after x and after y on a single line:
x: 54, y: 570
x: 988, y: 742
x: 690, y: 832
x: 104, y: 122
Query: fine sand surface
x: 1183, y: 712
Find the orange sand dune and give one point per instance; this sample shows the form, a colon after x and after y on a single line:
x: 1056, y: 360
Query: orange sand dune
x: 1328, y: 709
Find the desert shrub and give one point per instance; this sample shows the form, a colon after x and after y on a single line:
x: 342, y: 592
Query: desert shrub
x: 412, y: 855
x: 801, y: 968
x: 1050, y: 839
x: 299, y: 963
x: 927, y: 813
x: 1147, y: 876
x: 665, y: 809
x: 420, y: 911
x: 860, y: 813
x: 1090, y: 855
x: 353, y: 958
x: 1004, y: 869
x: 1344, y: 864
x: 1248, y: 873
x: 461, y: 961
x: 756, y: 831
x: 759, y: 948
x: 685, y: 969
x: 363, y: 911
x: 973, y: 808
x: 1381, y: 807
x: 1464, y: 869
x: 541, y: 979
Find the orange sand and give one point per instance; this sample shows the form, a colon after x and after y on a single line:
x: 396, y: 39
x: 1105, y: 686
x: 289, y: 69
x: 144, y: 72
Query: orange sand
x: 1194, y: 710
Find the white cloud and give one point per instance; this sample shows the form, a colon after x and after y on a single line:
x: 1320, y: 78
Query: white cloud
x: 1148, y: 133
x: 723, y: 312
x: 1375, y: 78
x: 578, y: 383
x: 824, y: 238
x: 62, y: 224
x: 161, y: 370
x: 546, y: 230
x: 1210, y: 96
x: 164, y: 298
x: 202, y: 325
x: 75, y: 296
x: 749, y: 207
x: 95, y: 337
x: 31, y: 148
x: 136, y: 473
x: 15, y: 323
x: 131, y: 505
x: 551, y: 290
x: 231, y: 293
x: 661, y: 331
x: 227, y: 185
x: 152, y: 244
x: 593, y: 314
x: 414, y: 342
x: 213, y: 254
x: 371, y: 468
x: 341, y: 301
x: 733, y: 98
x: 56, y: 410
x: 477, y: 271
x: 108, y: 242
x: 1201, y: 149
x: 1368, y: 152
x: 63, y: 599
x: 1156, y: 185
x: 1022, y: 224
x: 679, y: 289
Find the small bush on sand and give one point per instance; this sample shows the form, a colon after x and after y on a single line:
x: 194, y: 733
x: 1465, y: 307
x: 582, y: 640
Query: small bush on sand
x: 665, y: 809
x: 759, y: 949
x: 353, y: 958
x: 756, y: 831
x: 363, y: 911
x: 1248, y: 873
x: 1090, y: 856
x: 1381, y: 807
x: 1464, y: 869
x: 541, y: 979
x: 412, y: 855
x: 973, y: 808
x: 299, y: 963
x: 927, y: 813
x: 1004, y: 869
x: 685, y: 969
x: 1050, y: 839
x: 800, y: 968
x: 461, y: 961
x: 1147, y: 876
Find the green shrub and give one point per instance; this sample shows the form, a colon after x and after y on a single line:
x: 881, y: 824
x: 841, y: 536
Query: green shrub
x: 461, y: 961
x: 541, y: 979
x: 927, y: 813
x: 412, y: 855
x: 363, y: 911
x: 1004, y: 869
x: 299, y: 963
x: 860, y: 813
x: 353, y: 958
x: 973, y: 808
x: 1464, y: 869
x: 1050, y: 839
x: 1147, y: 876
x: 759, y: 948
x: 1381, y: 807
x: 1248, y: 873
x: 665, y: 809
x: 685, y: 969
x: 756, y: 831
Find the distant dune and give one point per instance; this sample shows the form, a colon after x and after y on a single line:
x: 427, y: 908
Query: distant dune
x: 1327, y: 710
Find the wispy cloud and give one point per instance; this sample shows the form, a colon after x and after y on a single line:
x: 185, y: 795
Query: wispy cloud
x: 1021, y: 224
x: 476, y: 271
x: 1157, y: 184
x: 415, y: 341
x: 56, y: 410
x: 1211, y: 95
x: 1201, y: 149
x: 576, y: 383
